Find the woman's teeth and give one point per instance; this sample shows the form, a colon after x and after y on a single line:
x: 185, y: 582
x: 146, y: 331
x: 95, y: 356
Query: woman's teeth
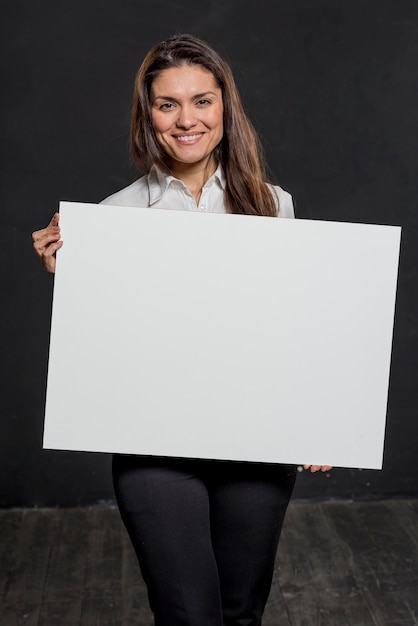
x: 189, y: 137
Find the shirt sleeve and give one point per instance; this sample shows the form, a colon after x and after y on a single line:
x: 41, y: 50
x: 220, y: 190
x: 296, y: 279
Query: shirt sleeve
x: 286, y: 208
x: 136, y: 194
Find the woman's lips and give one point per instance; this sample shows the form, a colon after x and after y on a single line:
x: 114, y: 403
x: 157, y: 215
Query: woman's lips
x: 188, y: 140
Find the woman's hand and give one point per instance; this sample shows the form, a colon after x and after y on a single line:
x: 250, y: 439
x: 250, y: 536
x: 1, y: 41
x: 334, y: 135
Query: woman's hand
x: 317, y: 468
x: 46, y: 242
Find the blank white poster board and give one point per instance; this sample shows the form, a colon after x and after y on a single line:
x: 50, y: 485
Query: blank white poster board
x: 221, y: 336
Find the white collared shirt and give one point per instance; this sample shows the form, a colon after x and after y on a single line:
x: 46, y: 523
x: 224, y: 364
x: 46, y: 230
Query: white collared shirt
x: 161, y: 191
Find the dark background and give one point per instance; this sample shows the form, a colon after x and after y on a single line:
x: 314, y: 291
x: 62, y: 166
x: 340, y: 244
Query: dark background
x: 331, y: 86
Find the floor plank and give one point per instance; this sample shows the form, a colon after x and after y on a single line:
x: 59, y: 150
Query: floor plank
x: 382, y: 559
x: 339, y: 564
x: 314, y: 574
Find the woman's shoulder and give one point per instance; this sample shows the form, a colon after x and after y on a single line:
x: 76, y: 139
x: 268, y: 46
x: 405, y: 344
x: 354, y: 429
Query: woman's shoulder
x: 135, y: 194
x: 285, y: 201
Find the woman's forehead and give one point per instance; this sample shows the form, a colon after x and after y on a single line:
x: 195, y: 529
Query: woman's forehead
x: 184, y: 80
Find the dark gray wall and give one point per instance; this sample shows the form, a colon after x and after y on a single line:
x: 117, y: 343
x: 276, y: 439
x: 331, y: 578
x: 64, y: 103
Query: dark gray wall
x: 331, y: 86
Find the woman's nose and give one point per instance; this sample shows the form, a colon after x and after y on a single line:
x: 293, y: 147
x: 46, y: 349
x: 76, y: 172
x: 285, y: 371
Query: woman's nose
x: 186, y: 118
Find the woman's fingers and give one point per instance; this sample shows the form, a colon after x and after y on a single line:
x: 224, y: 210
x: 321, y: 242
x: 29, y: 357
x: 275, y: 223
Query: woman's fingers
x: 43, y: 238
x: 46, y: 242
x: 317, y: 468
x: 48, y: 256
x: 55, y: 220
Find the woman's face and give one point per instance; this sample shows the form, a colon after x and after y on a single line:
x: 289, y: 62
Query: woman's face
x: 187, y: 114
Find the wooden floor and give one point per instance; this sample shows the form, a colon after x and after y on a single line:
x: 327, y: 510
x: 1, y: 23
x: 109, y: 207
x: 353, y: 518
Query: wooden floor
x: 339, y: 564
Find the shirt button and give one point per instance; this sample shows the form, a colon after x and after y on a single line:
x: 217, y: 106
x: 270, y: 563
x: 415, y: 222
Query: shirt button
x: 203, y: 207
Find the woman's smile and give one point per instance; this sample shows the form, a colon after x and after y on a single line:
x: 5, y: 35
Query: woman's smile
x: 188, y: 139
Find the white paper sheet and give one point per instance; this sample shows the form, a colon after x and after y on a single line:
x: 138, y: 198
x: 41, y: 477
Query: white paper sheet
x: 221, y: 336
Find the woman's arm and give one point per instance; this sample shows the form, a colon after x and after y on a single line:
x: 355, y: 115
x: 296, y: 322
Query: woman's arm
x: 46, y: 242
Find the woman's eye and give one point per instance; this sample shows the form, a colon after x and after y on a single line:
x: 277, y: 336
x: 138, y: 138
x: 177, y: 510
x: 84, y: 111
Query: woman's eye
x: 204, y: 102
x: 167, y: 106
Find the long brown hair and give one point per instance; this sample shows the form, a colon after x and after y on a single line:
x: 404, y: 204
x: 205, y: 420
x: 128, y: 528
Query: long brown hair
x: 239, y: 152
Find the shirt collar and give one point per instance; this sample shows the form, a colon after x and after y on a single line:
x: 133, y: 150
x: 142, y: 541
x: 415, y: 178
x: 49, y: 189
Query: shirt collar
x: 158, y: 182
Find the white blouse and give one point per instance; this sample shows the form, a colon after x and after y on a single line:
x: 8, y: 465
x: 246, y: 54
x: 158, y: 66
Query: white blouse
x: 158, y: 190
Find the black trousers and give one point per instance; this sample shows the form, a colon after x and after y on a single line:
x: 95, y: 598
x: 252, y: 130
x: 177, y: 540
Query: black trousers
x: 205, y: 533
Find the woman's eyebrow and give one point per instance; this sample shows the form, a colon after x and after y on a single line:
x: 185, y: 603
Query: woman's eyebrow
x: 195, y: 97
x: 202, y: 95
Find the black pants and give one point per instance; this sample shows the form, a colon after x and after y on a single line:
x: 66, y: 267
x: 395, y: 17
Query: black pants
x: 205, y: 533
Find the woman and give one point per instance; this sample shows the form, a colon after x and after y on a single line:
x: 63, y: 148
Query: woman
x: 205, y: 532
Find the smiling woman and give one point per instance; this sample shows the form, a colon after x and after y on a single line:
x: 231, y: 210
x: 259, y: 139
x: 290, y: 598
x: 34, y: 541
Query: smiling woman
x: 187, y: 116
x: 211, y: 86
x: 205, y: 532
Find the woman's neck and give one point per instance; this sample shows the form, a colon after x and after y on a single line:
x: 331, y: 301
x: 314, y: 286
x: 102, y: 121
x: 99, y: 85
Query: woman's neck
x: 193, y: 175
